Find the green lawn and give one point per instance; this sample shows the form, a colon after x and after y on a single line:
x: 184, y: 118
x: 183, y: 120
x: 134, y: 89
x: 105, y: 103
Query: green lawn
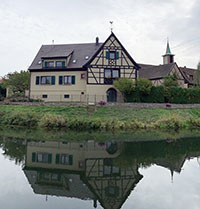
x: 104, y: 113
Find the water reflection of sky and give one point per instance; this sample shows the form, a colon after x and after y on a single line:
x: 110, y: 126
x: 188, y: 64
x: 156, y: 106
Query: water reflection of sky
x: 155, y: 190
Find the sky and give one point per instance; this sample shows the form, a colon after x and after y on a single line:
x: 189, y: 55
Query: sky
x: 142, y: 26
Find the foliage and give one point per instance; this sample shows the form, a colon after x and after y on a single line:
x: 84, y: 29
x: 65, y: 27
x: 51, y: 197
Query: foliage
x: 52, y: 121
x: 197, y: 76
x: 125, y: 86
x: 170, y: 81
x: 144, y: 86
x: 27, y: 119
x: 2, y: 92
x: 17, y: 82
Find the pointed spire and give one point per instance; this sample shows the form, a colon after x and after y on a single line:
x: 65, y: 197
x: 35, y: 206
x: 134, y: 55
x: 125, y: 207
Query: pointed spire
x: 168, y: 57
x: 172, y: 175
x: 168, y: 51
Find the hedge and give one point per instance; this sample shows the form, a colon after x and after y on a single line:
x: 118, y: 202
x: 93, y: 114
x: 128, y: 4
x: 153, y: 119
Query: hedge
x: 160, y: 94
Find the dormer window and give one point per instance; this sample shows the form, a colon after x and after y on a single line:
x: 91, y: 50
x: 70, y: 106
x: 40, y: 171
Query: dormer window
x: 49, y: 64
x: 60, y: 64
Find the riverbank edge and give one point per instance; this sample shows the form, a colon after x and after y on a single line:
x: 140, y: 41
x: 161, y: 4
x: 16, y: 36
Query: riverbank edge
x: 18, y: 118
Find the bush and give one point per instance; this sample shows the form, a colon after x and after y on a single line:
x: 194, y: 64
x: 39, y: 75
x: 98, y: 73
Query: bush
x: 21, y: 119
x: 144, y: 86
x: 125, y: 86
x: 52, y: 121
x: 173, y: 122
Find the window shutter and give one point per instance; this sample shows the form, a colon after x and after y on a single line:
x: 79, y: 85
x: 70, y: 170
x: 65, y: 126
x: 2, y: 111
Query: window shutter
x: 33, y: 157
x: 45, y: 64
x: 63, y: 64
x: 70, y: 159
x: 57, y: 158
x: 59, y: 177
x: 53, y: 78
x: 116, y: 55
x: 107, y: 55
x: 37, y: 81
x: 73, y: 79
x: 60, y: 80
x: 49, y: 158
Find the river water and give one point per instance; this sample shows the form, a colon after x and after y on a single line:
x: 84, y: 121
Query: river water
x: 110, y: 174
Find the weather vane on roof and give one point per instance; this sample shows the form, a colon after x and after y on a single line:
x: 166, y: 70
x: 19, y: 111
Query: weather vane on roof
x: 111, y: 26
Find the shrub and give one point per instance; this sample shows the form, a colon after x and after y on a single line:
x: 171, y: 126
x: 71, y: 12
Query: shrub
x: 27, y: 119
x: 144, y: 86
x: 173, y: 122
x: 125, y: 86
x: 52, y: 121
x: 171, y: 81
x: 194, y: 123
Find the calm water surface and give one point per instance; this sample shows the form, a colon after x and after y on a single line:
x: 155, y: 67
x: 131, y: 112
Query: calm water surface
x: 93, y: 174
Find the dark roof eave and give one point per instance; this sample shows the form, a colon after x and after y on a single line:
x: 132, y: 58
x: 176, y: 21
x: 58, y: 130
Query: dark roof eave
x: 58, y: 70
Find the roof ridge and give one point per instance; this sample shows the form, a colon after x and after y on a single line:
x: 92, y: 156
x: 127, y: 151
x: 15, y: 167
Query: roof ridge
x: 70, y: 44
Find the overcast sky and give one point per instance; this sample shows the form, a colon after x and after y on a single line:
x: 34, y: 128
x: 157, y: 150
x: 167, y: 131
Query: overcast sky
x: 142, y: 26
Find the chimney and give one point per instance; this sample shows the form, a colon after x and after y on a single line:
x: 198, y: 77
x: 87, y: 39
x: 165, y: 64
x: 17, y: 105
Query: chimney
x: 97, y: 40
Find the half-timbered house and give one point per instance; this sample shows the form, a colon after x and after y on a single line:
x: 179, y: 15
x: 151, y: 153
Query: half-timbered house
x: 81, y: 72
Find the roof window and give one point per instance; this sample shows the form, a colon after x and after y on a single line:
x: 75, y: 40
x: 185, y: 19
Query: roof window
x: 86, y: 57
x: 74, y: 61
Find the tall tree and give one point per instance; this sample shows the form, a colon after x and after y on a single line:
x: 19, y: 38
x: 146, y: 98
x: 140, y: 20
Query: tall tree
x: 171, y: 81
x: 16, y: 82
x: 197, y: 76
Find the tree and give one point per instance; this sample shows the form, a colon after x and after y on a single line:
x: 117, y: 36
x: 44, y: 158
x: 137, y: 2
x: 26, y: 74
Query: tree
x: 16, y: 82
x: 170, y: 81
x: 2, y: 92
x: 197, y: 76
x: 125, y: 86
x: 144, y: 86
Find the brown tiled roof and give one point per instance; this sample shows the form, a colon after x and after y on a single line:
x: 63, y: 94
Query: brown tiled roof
x: 154, y: 71
x: 78, y: 51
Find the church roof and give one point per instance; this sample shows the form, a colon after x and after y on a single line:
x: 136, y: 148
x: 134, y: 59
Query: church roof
x: 155, y: 71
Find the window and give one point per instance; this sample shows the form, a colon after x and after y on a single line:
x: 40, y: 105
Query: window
x: 60, y: 64
x: 110, y: 75
x: 113, y: 55
x: 44, y: 96
x: 82, y: 75
x: 67, y: 79
x: 46, y: 80
x: 191, y: 77
x: 64, y: 159
x: 110, y: 169
x: 66, y: 96
x: 41, y: 157
x: 49, y: 64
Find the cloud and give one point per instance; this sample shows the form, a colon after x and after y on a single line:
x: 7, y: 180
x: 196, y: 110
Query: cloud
x: 141, y: 25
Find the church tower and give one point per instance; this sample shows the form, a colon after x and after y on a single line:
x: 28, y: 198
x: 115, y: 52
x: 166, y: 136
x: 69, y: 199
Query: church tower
x: 168, y: 57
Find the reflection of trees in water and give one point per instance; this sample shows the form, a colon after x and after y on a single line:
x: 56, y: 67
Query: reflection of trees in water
x: 14, y: 149
x: 148, y: 153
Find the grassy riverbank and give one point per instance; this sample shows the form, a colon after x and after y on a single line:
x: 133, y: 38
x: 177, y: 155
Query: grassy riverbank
x: 101, y: 118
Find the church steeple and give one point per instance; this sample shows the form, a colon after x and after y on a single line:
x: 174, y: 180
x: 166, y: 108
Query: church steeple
x: 168, y: 57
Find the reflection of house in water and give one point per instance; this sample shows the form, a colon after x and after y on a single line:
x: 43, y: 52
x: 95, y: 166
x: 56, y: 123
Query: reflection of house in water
x: 85, y: 170
x: 174, y: 163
